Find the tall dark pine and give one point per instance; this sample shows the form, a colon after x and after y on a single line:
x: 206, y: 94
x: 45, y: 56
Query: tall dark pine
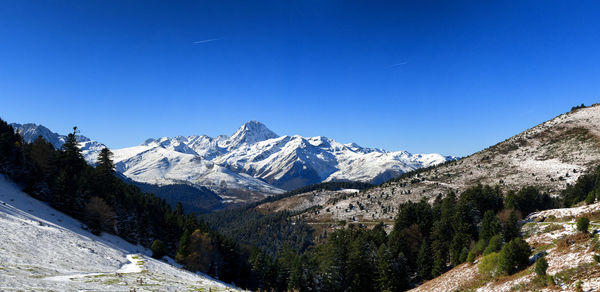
x: 105, y: 162
x: 490, y: 226
x: 67, y: 197
x: 511, y: 227
x: 105, y: 176
x: 424, y: 261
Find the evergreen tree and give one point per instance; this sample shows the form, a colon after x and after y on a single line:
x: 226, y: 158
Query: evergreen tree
x: 360, y: 264
x: 424, y: 261
x: 104, y: 176
x: 183, y: 247
x: 541, y: 265
x: 514, y: 256
x: 105, y: 163
x: 439, y: 258
x: 490, y: 226
x: 67, y: 197
x: 510, y: 228
x: 390, y: 270
x: 582, y: 224
x: 494, y: 244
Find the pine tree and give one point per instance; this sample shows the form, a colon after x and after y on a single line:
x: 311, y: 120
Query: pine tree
x: 424, y: 261
x: 511, y: 227
x: 105, y: 163
x: 490, y: 226
x: 67, y: 196
x: 391, y: 273
x: 514, y: 256
x: 541, y: 265
x: 104, y: 176
x: 360, y: 264
x: 183, y: 247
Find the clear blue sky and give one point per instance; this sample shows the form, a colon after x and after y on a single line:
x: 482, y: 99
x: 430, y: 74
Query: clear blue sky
x: 425, y: 76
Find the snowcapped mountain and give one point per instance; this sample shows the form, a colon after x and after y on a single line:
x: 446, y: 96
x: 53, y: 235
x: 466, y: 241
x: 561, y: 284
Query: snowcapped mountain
x: 252, y: 163
x: 30, y: 132
x: 165, y: 162
x: 258, y: 160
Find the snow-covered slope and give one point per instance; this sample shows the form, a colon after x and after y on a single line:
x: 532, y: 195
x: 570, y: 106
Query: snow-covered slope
x: 42, y: 249
x: 171, y: 162
x: 251, y: 164
x: 285, y: 162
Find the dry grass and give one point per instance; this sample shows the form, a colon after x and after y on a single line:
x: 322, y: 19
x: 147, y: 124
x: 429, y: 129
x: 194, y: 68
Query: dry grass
x: 553, y: 227
x: 565, y: 243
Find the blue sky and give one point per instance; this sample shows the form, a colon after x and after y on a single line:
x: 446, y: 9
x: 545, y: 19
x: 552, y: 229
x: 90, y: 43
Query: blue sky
x: 425, y: 76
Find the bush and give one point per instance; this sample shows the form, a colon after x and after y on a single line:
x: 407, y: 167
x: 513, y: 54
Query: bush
x: 541, y: 265
x: 514, y: 256
x: 159, y: 249
x: 489, y: 265
x: 471, y: 256
x: 582, y: 224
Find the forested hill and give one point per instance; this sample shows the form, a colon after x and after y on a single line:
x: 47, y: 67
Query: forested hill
x: 96, y: 197
x: 549, y: 156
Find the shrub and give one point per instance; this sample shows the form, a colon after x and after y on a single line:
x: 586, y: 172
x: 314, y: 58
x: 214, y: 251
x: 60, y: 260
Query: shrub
x: 582, y: 224
x: 159, y: 249
x: 514, y: 256
x: 541, y: 265
x: 488, y: 266
x: 471, y: 256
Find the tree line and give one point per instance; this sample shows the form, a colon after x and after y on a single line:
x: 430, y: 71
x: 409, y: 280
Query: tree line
x: 105, y: 203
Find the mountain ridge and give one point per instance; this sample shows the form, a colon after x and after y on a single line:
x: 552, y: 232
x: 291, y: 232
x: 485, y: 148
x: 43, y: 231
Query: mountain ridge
x: 255, y: 162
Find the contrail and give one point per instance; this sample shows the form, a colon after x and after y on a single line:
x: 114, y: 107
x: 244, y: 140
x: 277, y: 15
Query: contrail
x: 205, y: 41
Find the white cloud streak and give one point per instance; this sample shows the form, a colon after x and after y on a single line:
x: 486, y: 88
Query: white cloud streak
x: 205, y: 41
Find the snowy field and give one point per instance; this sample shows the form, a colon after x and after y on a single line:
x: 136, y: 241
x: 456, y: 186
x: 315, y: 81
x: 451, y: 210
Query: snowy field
x: 42, y: 249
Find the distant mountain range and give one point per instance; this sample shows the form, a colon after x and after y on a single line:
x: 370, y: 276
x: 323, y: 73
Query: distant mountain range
x: 249, y: 165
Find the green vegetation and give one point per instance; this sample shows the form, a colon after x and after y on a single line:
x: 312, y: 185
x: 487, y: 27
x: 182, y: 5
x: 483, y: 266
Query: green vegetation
x: 159, y: 249
x: 587, y: 188
x: 528, y: 200
x: 582, y: 224
x: 488, y: 267
x: 541, y: 265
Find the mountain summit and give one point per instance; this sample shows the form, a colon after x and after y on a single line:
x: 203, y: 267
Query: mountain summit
x: 250, y: 133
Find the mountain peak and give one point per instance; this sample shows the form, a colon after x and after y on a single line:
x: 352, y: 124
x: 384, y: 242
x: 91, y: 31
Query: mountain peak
x: 31, y: 131
x: 250, y: 133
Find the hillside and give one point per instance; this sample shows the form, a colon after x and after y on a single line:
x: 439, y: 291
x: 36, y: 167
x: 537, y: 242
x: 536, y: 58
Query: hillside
x: 570, y: 256
x: 43, y: 249
x: 548, y: 156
